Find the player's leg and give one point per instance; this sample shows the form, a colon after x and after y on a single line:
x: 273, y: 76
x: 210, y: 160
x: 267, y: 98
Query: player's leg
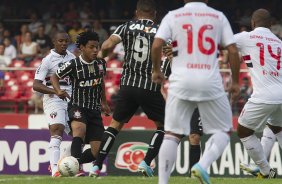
x: 216, y: 119
x: 275, y: 124
x: 267, y: 141
x: 253, y: 118
x: 125, y: 109
x: 56, y: 128
x: 78, y: 121
x: 195, y: 139
x: 153, y: 105
x: 176, y: 125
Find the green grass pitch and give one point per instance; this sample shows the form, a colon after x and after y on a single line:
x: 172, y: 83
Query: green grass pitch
x: 28, y: 179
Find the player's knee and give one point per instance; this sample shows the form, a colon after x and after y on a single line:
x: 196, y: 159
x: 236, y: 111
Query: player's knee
x: 116, y: 125
x: 275, y: 129
x: 56, y: 129
x: 194, y: 139
x: 243, y: 131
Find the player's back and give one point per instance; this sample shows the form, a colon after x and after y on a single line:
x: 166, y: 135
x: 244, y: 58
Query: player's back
x: 137, y: 38
x: 261, y: 50
x: 196, y: 31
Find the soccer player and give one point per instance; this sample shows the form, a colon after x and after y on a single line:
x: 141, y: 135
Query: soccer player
x: 196, y: 30
x: 86, y: 73
x: 261, y: 50
x: 136, y: 88
x: 54, y: 107
x: 196, y: 123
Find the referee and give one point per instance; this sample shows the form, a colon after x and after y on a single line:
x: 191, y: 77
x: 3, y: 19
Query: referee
x: 136, y: 87
x: 86, y: 73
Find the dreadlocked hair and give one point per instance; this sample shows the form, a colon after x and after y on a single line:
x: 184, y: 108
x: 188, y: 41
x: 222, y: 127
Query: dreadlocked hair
x: 84, y: 37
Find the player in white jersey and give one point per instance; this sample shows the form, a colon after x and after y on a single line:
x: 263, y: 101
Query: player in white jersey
x: 261, y: 50
x: 54, y: 107
x: 196, y: 30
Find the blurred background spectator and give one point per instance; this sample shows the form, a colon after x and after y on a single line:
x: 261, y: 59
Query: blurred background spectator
x: 28, y: 49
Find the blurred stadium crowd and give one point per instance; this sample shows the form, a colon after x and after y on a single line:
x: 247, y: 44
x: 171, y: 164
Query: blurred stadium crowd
x: 27, y: 28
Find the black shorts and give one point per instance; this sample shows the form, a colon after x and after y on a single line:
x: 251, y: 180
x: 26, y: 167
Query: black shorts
x: 196, y: 123
x: 92, y: 119
x: 130, y: 98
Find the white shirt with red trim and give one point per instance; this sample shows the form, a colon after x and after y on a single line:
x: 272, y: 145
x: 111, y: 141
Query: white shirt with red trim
x: 196, y: 30
x: 47, y: 68
x: 261, y: 50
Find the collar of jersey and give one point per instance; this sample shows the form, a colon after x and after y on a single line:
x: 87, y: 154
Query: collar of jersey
x: 262, y: 29
x: 85, y: 62
x: 147, y: 19
x: 194, y: 4
x: 56, y: 54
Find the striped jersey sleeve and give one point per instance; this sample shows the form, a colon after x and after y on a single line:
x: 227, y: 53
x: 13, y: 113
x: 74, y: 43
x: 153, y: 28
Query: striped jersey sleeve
x: 166, y: 68
x: 66, y: 69
x: 120, y: 31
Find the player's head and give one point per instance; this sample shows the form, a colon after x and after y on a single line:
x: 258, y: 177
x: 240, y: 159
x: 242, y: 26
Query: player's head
x: 187, y: 1
x: 61, y: 41
x: 146, y: 9
x: 261, y: 18
x: 88, y: 43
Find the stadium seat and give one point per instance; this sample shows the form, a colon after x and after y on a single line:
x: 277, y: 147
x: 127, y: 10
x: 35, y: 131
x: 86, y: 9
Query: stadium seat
x: 10, y: 97
x: 35, y: 63
x: 8, y: 76
x: 17, y: 63
x: 24, y: 77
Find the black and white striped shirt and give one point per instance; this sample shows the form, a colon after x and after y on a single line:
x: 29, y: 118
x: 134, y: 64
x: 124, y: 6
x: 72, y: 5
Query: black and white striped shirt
x: 87, y: 79
x: 137, y: 37
x: 166, y: 67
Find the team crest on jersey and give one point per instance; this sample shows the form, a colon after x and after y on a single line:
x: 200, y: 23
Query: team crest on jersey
x: 77, y: 114
x: 53, y: 115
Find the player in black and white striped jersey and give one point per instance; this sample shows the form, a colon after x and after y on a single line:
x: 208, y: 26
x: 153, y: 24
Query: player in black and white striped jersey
x: 86, y: 73
x: 136, y: 88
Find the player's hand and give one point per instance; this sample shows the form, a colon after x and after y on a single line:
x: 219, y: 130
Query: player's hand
x: 62, y: 94
x: 158, y: 77
x: 234, y: 92
x: 100, y: 55
x: 167, y: 50
x: 106, y: 109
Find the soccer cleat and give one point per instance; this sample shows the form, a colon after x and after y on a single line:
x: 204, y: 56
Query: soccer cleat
x: 95, y: 172
x: 252, y: 169
x: 272, y: 174
x: 145, y: 169
x: 56, y: 174
x: 198, y: 172
x: 80, y: 173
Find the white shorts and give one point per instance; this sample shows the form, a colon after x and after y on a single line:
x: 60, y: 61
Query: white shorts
x: 255, y: 115
x: 59, y: 116
x: 215, y: 114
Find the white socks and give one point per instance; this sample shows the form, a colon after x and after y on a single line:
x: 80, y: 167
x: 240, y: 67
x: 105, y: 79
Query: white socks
x: 267, y: 141
x: 214, y: 148
x: 167, y: 157
x: 255, y: 151
x: 54, y: 151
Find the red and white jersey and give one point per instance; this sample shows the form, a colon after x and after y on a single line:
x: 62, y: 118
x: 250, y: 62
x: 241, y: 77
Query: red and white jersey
x: 47, y: 68
x: 261, y: 50
x: 196, y: 31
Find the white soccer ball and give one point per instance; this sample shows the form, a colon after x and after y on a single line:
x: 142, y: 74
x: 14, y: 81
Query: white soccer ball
x: 68, y: 166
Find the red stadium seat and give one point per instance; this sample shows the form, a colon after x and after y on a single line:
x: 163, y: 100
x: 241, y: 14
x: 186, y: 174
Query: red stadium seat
x: 35, y: 63
x: 24, y: 77
x: 8, y: 76
x: 17, y: 63
x: 10, y: 97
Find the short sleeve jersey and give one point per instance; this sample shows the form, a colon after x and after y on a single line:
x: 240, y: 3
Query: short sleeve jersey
x: 87, y: 80
x: 261, y: 51
x: 196, y: 31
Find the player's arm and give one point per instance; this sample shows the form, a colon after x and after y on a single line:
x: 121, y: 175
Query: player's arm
x: 105, y: 105
x: 40, y: 87
x: 62, y: 72
x: 40, y: 75
x: 108, y: 45
x: 156, y: 59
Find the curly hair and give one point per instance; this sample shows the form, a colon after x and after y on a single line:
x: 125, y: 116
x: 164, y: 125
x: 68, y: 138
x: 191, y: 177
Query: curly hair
x: 84, y: 37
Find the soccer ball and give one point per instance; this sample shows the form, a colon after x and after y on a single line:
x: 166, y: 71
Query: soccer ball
x: 68, y: 166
